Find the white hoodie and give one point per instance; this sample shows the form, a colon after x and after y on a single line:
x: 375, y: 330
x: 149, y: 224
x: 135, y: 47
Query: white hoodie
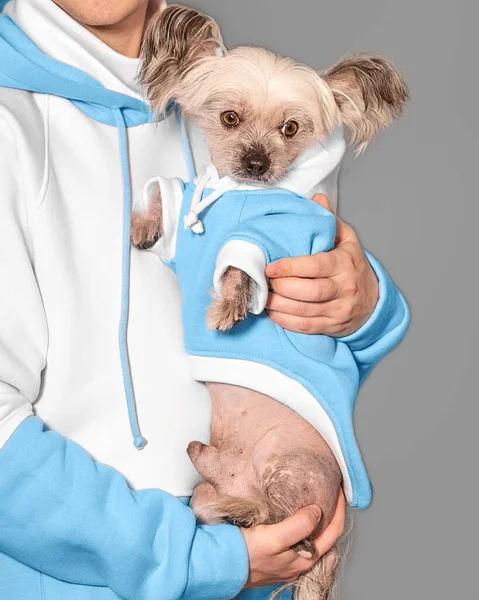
x: 60, y: 225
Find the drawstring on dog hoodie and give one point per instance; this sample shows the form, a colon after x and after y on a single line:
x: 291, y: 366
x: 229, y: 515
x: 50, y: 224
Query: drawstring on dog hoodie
x: 198, y: 205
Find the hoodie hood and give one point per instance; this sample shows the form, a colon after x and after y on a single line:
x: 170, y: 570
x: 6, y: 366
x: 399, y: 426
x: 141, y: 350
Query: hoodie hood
x: 25, y: 67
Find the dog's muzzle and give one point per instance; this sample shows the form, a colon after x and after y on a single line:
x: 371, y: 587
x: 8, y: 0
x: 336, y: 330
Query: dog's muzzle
x: 256, y: 163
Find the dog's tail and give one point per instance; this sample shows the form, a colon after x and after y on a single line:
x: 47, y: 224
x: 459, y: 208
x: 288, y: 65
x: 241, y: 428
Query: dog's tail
x: 323, y: 580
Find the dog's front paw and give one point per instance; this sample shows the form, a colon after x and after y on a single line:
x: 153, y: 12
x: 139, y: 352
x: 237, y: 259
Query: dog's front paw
x: 146, y: 227
x: 223, y: 313
x: 144, y: 231
x: 233, y: 304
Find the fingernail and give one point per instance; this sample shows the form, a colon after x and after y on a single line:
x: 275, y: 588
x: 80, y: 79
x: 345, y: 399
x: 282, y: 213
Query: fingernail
x: 316, y: 512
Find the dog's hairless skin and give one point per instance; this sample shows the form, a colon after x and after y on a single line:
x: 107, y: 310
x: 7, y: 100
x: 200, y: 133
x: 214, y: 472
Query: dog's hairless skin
x: 249, y: 433
x: 264, y: 462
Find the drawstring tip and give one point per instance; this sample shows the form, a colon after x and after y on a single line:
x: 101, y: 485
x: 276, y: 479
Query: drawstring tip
x: 140, y: 442
x: 198, y: 227
x: 191, y: 221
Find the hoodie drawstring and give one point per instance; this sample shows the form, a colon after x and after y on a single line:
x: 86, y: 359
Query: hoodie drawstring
x: 138, y: 439
x: 198, y: 205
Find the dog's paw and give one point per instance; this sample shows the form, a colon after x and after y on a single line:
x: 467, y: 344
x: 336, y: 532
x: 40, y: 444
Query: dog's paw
x: 223, y: 314
x: 144, y: 231
x: 146, y: 227
x: 233, y: 304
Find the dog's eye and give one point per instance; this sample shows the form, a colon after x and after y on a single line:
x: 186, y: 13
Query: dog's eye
x: 230, y: 118
x: 289, y: 129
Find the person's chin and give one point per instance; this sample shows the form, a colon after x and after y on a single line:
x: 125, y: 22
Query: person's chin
x: 92, y: 13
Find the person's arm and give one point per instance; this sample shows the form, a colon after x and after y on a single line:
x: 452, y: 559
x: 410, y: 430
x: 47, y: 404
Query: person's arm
x: 77, y: 520
x: 384, y: 329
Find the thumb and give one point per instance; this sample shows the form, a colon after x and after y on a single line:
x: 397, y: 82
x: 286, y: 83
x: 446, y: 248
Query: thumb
x: 322, y: 200
x: 297, y: 527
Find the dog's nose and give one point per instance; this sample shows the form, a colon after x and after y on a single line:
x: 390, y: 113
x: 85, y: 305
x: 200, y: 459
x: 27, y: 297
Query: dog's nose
x: 256, y: 163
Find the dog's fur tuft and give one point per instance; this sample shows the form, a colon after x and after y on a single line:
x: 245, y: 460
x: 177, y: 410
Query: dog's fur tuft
x: 232, y: 306
x: 369, y: 92
x: 175, y: 39
x: 146, y: 227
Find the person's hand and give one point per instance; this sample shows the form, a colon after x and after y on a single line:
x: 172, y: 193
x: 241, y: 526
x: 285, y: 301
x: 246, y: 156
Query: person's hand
x: 271, y: 559
x: 332, y: 293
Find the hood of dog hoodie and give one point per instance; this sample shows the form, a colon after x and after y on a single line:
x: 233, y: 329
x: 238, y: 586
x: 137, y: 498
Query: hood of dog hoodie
x: 70, y: 524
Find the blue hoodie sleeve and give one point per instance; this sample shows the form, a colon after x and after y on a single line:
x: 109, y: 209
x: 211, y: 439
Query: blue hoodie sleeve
x: 384, y: 329
x: 77, y: 520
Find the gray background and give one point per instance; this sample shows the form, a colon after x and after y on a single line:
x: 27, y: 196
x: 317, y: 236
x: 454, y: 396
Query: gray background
x: 411, y: 199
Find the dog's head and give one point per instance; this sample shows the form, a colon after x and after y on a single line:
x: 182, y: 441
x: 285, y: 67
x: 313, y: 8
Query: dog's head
x: 260, y: 111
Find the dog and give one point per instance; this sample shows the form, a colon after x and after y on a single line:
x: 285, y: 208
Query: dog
x: 260, y: 113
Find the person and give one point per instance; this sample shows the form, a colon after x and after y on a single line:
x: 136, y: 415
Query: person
x: 91, y: 345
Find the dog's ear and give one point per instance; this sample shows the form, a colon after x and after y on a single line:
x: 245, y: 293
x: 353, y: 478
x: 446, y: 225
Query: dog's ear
x: 175, y: 39
x: 369, y: 92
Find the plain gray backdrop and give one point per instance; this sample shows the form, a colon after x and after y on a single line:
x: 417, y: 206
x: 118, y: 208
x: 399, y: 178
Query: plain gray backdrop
x: 412, y: 201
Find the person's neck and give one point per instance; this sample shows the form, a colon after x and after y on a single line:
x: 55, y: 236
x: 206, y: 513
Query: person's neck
x: 124, y: 37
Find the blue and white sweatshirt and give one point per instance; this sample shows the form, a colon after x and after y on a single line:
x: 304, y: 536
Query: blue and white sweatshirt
x: 83, y: 514
x: 214, y: 223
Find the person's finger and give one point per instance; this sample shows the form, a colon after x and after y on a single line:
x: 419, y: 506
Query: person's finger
x: 323, y: 264
x: 293, y: 529
x: 308, y: 325
x: 344, y: 233
x: 322, y: 200
x: 307, y: 290
x: 324, y: 542
x: 297, y: 308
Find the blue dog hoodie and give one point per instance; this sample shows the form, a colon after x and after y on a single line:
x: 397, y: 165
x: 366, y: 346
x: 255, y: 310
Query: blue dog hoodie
x: 215, y: 223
